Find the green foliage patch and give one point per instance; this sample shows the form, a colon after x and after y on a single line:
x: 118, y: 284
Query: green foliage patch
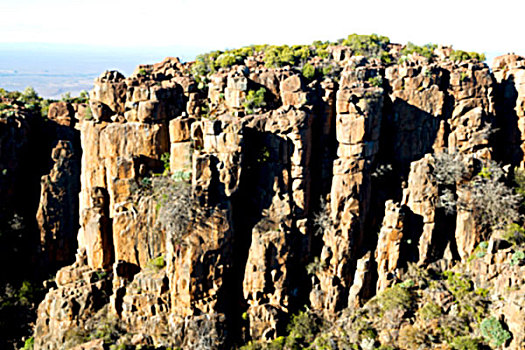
x: 254, y: 100
x: 426, y: 51
x: 396, y: 297
x: 157, y: 263
x: 459, y: 56
x: 465, y: 343
x: 308, y: 71
x: 493, y: 331
x: 370, y: 45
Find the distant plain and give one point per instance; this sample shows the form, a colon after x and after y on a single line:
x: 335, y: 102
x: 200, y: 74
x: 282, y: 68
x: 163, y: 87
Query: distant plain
x: 54, y: 69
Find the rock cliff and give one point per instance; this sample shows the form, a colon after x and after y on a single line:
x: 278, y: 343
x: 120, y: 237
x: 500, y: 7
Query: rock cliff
x: 220, y: 197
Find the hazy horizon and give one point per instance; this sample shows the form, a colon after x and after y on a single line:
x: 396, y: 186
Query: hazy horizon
x: 53, y: 69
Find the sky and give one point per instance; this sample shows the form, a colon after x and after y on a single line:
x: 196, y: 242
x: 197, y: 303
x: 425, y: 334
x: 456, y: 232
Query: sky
x: 195, y: 26
x: 59, y: 46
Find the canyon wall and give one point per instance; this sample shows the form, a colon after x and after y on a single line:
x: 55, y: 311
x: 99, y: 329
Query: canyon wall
x: 204, y: 223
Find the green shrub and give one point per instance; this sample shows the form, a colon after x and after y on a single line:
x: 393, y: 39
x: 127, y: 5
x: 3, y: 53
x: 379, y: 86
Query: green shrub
x: 366, y: 44
x: 29, y: 344
x: 514, y: 234
x: 303, y: 329
x: 376, y: 81
x: 157, y: 263
x: 519, y: 181
x: 254, y: 100
x: 482, y: 292
x: 287, y: 56
x: 493, y: 331
x: 278, y: 56
x: 100, y: 275
x: 315, y: 266
x: 301, y: 53
x: 29, y: 95
x: 83, y: 97
x: 27, y: 293
x: 118, y: 347
x: 425, y: 50
x: 323, y: 53
x: 327, y: 70
x: 181, y: 175
x: 430, y: 311
x: 204, y: 65
x: 517, y: 258
x: 66, y: 97
x: 459, y: 55
x: 226, y: 59
x: 395, y: 297
x: 465, y: 343
x: 479, y: 252
x: 385, y: 57
x: 88, y: 115
x: 457, y: 284
x: 44, y: 108
x: 165, y: 159
x: 308, y: 71
x: 409, y: 283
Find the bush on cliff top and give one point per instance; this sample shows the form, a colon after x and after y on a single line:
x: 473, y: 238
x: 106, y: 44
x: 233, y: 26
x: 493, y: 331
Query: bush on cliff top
x: 425, y: 50
x: 28, y: 98
x: 459, y: 55
x: 369, y: 45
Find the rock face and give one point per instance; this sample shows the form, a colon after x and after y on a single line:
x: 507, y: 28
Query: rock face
x: 509, y: 72
x: 14, y: 141
x: 57, y: 214
x: 40, y: 161
x: 207, y: 218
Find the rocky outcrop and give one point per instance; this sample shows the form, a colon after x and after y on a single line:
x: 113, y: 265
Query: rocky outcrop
x: 357, y: 130
x: 57, y: 214
x: 201, y: 212
x: 495, y: 270
x: 509, y: 72
x: 39, y: 184
x: 283, y: 154
x: 66, y: 310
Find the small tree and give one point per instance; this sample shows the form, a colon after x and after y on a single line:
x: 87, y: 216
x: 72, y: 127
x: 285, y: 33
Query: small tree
x: 308, y: 71
x: 254, y: 100
x: 493, y: 331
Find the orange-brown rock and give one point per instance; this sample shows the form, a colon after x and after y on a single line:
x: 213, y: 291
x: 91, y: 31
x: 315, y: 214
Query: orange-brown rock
x: 62, y: 112
x: 357, y: 132
x: 239, y: 248
x: 65, y: 310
